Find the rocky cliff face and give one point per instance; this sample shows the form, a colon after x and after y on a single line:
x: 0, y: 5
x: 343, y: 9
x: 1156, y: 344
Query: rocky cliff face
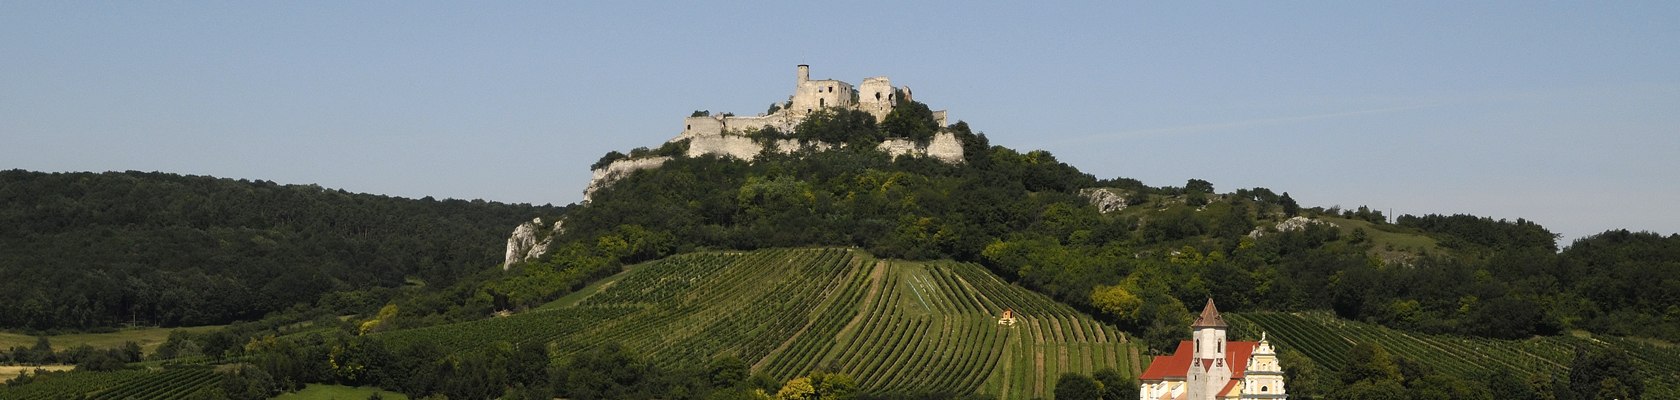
x: 1106, y: 200
x: 738, y: 147
x: 1292, y: 224
x: 944, y: 147
x: 529, y: 241
x: 600, y: 178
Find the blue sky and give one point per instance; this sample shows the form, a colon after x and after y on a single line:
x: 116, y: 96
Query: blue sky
x: 1565, y: 113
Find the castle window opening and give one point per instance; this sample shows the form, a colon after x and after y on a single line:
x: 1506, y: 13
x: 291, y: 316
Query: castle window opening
x: 877, y: 95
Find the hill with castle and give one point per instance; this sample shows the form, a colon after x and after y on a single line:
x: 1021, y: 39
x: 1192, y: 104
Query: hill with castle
x: 850, y: 242
x: 745, y: 137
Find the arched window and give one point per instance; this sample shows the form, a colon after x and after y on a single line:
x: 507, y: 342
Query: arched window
x: 1263, y: 389
x: 877, y: 95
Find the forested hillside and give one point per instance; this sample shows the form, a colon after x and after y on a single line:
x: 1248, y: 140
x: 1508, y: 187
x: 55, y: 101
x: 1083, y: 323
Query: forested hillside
x: 1023, y: 216
x: 91, y: 250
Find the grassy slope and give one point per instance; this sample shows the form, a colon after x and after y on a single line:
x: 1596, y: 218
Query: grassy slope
x: 339, y: 392
x: 148, y: 338
x: 893, y: 325
x: 1390, y: 238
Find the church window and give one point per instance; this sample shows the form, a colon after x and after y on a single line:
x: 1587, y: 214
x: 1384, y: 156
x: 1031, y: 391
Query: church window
x: 1262, y: 389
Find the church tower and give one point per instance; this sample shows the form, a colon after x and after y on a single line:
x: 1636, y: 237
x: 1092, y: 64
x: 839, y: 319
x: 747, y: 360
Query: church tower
x: 1264, y: 378
x: 1209, y: 372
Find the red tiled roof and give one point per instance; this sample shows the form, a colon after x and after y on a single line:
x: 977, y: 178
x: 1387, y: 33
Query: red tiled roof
x: 1171, y: 366
x: 1228, y: 386
x: 1175, y: 366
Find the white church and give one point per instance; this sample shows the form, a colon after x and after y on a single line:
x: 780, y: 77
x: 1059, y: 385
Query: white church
x: 1209, y: 367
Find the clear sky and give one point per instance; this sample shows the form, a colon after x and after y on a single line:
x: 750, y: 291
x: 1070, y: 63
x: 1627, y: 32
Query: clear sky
x: 1565, y: 113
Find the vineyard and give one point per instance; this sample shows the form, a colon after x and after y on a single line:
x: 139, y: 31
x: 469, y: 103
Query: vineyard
x: 1326, y: 339
x: 892, y: 325
x: 137, y: 384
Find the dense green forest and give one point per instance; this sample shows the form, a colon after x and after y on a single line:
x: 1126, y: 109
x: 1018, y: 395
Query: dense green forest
x: 95, y: 250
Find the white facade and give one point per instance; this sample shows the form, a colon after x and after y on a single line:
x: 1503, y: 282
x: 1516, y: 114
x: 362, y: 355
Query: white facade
x: 1264, y: 378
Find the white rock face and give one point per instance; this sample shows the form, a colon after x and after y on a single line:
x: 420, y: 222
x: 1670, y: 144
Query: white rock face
x: 898, y: 147
x: 523, y: 245
x: 944, y: 147
x: 740, y: 147
x: 1105, y: 199
x: 1292, y: 224
x: 618, y: 170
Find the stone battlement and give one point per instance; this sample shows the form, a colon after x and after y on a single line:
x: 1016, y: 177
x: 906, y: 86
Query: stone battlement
x: 876, y: 96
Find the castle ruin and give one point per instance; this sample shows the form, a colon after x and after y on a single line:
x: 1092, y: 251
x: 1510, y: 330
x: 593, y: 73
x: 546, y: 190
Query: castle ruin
x: 727, y: 135
x: 876, y: 96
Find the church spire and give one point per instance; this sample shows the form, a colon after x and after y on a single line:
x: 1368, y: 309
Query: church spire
x: 1210, y: 317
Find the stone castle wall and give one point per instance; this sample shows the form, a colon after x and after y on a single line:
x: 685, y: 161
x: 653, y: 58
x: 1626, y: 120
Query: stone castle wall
x: 725, y: 135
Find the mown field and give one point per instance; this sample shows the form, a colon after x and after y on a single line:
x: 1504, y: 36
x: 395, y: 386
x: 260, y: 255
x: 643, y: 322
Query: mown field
x: 892, y: 325
x: 1326, y: 339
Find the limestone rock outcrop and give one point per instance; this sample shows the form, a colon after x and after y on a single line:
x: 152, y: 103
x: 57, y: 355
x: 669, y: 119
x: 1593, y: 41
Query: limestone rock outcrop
x: 943, y: 147
x: 1106, y: 200
x: 1292, y: 224
x: 524, y: 244
x: 734, y: 146
x: 600, y: 178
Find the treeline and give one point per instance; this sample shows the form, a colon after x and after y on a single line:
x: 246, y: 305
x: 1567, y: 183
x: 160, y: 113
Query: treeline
x: 85, y: 357
x: 507, y: 371
x: 95, y: 250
